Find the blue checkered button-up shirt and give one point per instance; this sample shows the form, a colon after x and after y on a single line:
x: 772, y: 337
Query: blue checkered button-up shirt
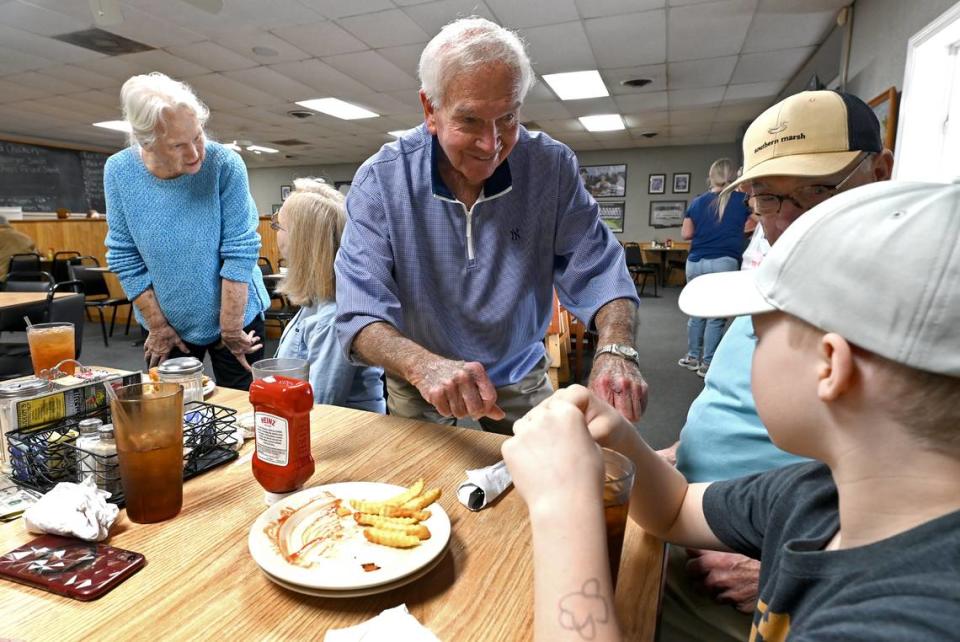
x: 474, y: 284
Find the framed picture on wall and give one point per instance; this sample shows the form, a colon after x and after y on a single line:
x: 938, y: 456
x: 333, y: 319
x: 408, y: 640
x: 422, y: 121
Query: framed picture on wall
x: 657, y: 184
x: 285, y: 192
x: 885, y: 107
x: 605, y: 180
x: 342, y: 186
x: 275, y: 208
x: 681, y: 183
x: 612, y: 213
x: 667, y: 213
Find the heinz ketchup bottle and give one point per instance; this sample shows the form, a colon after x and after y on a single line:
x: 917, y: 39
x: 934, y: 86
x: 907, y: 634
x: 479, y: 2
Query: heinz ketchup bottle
x: 282, y: 461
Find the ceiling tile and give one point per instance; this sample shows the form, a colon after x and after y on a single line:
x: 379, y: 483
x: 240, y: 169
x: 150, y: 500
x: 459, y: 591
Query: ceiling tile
x: 341, y: 8
x: 531, y: 13
x: 693, y: 74
x: 382, y: 103
x: 646, y: 32
x: 687, y: 98
x: 157, y: 60
x: 770, y: 66
x: 540, y: 93
x: 615, y: 77
x: 88, y: 79
x: 646, y: 120
x: 649, y: 101
x: 11, y: 93
x: 76, y: 9
x: 25, y: 44
x: 117, y: 67
x: 406, y: 57
x: 47, y: 84
x: 323, y: 78
x: 272, y: 82
x: 12, y: 61
x: 212, y: 56
x: 385, y: 29
x: 591, y: 106
x: 604, y: 8
x: 751, y: 91
x: 544, y: 111
x: 320, y: 38
x: 574, y: 55
x: 562, y: 125
x: 373, y: 70
x: 725, y: 22
x: 40, y: 20
x: 268, y: 15
x: 152, y: 30
x: 741, y: 112
x: 244, y: 40
x: 434, y: 15
x: 692, y: 116
x: 232, y: 89
x: 779, y: 29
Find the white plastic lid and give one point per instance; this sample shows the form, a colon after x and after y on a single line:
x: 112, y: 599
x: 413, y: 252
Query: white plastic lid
x: 273, y: 498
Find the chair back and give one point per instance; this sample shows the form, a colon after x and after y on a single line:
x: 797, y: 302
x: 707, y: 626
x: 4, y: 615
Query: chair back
x: 28, y: 282
x: 11, y: 320
x: 61, y: 261
x: 94, y: 284
x: 266, y: 267
x: 25, y: 262
x: 68, y: 309
x: 634, y: 256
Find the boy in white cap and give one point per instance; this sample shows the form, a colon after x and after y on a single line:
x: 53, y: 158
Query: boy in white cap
x: 857, y: 365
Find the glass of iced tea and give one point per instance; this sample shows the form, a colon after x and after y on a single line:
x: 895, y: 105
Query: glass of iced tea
x: 148, y: 426
x: 617, y: 483
x: 51, y: 343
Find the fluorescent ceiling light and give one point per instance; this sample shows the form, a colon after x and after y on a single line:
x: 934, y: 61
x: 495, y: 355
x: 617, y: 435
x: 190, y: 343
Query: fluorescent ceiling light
x: 397, y: 133
x: 603, y: 123
x: 116, y: 125
x: 259, y: 148
x: 232, y: 146
x: 577, y: 85
x: 338, y: 108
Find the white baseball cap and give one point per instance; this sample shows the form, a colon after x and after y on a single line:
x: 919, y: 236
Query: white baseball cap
x: 879, y: 265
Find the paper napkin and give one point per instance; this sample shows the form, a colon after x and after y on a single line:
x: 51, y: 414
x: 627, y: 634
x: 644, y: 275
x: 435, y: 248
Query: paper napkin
x: 391, y: 625
x: 484, y: 485
x: 75, y: 510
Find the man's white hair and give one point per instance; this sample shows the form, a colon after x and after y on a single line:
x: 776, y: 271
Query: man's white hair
x: 144, y: 99
x: 468, y: 44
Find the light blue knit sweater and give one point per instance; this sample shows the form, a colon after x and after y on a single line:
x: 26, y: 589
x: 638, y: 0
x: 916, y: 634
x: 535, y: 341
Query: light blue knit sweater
x: 181, y: 236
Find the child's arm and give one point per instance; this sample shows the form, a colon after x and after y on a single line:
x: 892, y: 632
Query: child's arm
x: 663, y: 503
x: 558, y: 470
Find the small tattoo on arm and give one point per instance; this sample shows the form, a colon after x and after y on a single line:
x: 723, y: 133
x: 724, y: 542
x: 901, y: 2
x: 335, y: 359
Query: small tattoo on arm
x: 583, y: 610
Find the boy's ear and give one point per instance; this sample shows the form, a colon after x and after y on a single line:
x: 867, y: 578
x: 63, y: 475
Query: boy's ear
x: 835, y: 371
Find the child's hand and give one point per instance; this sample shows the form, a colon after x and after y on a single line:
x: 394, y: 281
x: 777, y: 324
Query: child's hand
x: 552, y: 458
x: 606, y: 425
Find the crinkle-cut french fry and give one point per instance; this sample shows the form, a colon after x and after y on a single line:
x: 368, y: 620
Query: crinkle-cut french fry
x: 365, y: 506
x: 376, y: 508
x: 343, y: 511
x: 407, y: 495
x: 393, y: 539
x: 373, y: 520
x: 424, y: 500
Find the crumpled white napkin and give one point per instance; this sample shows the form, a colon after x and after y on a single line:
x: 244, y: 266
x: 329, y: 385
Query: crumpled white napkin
x: 484, y: 485
x: 77, y: 510
x: 391, y: 625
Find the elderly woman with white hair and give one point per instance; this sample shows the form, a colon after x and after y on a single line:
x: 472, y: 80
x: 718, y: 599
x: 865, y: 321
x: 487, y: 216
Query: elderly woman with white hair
x: 309, y: 227
x: 182, y: 233
x: 458, y: 233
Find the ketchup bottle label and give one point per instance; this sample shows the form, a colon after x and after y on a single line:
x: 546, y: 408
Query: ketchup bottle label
x: 272, y: 446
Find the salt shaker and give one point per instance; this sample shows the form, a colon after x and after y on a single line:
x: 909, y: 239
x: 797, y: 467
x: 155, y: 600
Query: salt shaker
x: 108, y: 472
x: 89, y: 436
x: 188, y: 372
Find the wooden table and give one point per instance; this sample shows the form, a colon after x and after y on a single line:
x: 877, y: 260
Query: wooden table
x: 200, y: 581
x: 15, y: 299
x: 662, y: 256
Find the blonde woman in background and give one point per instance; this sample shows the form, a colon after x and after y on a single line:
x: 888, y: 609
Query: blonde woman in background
x: 716, y: 244
x: 309, y: 227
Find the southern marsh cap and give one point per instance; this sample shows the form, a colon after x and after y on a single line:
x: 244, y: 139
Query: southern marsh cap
x: 813, y: 133
x: 879, y: 265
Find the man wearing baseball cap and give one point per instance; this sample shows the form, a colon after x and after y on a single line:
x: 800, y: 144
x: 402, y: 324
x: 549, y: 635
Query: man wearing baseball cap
x: 801, y: 152
x: 856, y: 366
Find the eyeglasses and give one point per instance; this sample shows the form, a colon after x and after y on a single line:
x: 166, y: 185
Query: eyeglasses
x: 275, y: 223
x: 803, y: 197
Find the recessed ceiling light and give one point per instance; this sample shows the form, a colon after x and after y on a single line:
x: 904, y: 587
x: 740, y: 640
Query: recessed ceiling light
x: 256, y: 149
x: 397, y: 133
x: 649, y: 134
x: 636, y: 82
x: 577, y: 85
x: 116, y: 125
x: 266, y: 52
x: 337, y: 108
x: 603, y: 123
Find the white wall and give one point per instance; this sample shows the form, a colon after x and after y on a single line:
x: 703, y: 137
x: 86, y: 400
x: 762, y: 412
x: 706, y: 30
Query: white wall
x: 265, y: 183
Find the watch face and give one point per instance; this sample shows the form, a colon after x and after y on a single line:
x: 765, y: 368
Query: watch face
x: 629, y: 352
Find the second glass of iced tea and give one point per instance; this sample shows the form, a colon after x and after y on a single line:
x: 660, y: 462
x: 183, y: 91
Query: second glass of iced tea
x: 51, y: 343
x: 148, y: 426
x: 617, y: 483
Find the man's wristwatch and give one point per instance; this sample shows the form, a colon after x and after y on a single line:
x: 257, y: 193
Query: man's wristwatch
x: 621, y: 350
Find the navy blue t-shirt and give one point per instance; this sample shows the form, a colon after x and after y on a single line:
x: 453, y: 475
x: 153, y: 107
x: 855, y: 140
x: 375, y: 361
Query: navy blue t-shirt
x: 714, y: 237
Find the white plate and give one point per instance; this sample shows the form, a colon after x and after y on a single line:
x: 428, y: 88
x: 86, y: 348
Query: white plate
x: 344, y: 571
x: 208, y: 388
x: 373, y: 590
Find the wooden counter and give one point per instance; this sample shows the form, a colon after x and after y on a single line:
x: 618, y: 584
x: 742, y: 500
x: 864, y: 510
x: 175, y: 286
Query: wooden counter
x: 200, y: 581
